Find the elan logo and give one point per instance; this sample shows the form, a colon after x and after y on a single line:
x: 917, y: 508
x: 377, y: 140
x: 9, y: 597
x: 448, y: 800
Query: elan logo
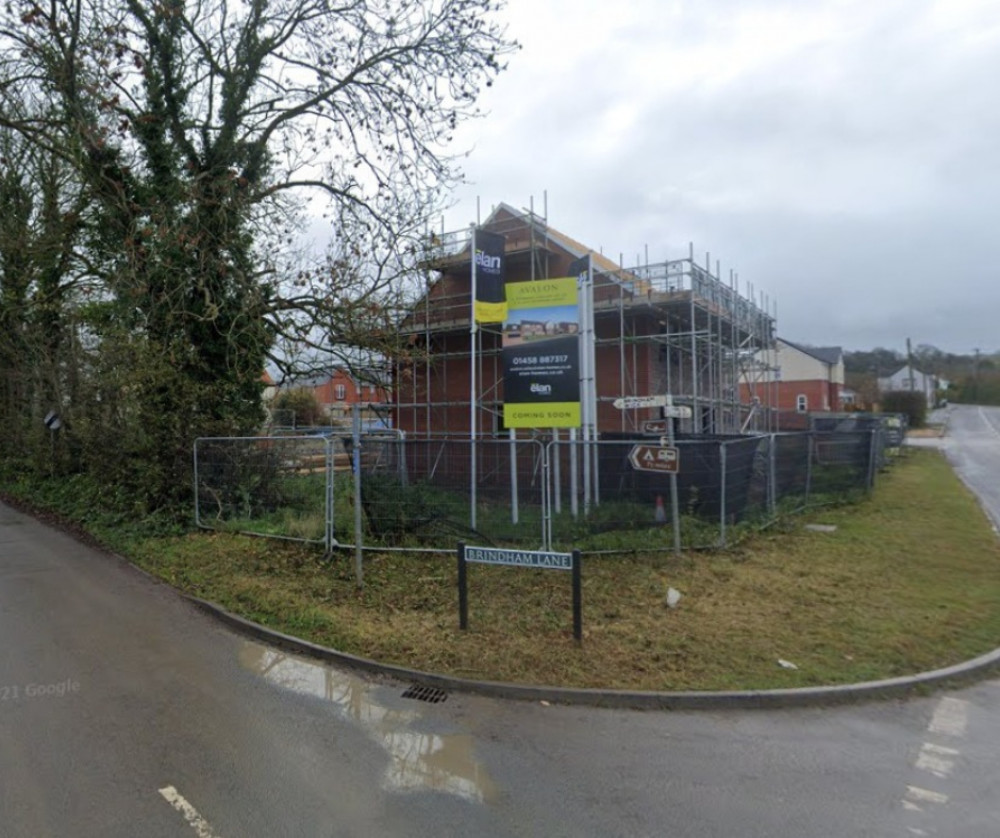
x: 541, y: 389
x: 487, y: 262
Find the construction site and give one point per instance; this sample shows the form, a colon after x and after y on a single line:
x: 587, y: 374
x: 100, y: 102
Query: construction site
x: 672, y: 328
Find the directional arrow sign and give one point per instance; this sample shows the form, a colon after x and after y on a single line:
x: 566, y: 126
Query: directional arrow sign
x: 677, y: 411
x: 628, y: 402
x: 661, y: 458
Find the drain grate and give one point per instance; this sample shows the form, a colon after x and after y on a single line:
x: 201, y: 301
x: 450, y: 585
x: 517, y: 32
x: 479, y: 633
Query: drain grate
x: 429, y: 694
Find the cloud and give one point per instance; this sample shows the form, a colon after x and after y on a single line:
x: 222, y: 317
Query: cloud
x: 840, y: 154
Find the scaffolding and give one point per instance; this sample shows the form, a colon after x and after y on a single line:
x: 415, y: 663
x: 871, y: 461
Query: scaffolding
x: 668, y: 328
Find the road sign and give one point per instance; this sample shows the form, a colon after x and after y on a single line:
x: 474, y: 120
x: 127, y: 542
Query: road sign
x: 519, y: 558
x: 628, y: 402
x: 670, y: 411
x: 662, y: 458
x: 677, y: 411
x: 52, y: 421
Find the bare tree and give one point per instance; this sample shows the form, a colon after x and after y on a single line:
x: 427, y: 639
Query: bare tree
x: 201, y: 132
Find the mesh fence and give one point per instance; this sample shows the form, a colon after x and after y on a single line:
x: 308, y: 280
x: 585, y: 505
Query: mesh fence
x: 595, y: 496
x: 273, y: 486
x: 435, y: 492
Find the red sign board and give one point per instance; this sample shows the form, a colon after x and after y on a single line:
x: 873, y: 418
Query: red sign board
x: 655, y: 458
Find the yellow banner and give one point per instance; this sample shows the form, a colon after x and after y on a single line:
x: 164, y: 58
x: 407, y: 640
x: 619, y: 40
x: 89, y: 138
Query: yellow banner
x: 490, y: 312
x: 541, y: 293
x: 542, y: 415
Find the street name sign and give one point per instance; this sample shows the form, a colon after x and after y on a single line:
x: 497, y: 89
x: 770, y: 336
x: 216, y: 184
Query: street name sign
x: 519, y: 558
x: 662, y: 458
x: 629, y: 402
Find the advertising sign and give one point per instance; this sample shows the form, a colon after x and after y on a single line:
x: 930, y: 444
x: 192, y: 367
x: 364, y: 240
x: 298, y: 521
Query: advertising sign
x: 541, y: 355
x: 489, y: 267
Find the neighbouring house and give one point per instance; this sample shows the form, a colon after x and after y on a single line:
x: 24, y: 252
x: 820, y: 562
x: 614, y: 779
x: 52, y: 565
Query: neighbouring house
x: 336, y: 390
x: 909, y: 379
x: 805, y: 379
x: 659, y: 328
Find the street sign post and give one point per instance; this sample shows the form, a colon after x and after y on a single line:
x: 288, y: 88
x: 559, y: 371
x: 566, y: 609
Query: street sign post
x: 520, y: 558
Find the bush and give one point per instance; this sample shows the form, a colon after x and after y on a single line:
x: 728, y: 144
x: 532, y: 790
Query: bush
x: 914, y: 405
x: 302, y: 403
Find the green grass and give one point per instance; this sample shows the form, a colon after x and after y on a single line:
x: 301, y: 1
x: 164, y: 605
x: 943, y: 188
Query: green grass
x: 909, y: 581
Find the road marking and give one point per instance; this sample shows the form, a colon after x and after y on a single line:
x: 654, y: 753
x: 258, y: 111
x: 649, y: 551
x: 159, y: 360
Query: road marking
x: 925, y: 795
x: 950, y: 717
x: 198, y: 823
x: 989, y: 424
x: 940, y: 750
x: 931, y: 759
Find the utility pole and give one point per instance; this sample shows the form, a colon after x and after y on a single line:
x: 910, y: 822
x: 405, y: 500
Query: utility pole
x: 909, y: 365
x: 975, y: 376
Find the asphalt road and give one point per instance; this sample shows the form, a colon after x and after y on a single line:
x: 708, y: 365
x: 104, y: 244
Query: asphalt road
x: 124, y: 711
x: 972, y: 444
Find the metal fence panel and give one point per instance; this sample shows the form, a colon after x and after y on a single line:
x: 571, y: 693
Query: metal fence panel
x: 273, y: 486
x: 626, y: 508
x: 418, y: 493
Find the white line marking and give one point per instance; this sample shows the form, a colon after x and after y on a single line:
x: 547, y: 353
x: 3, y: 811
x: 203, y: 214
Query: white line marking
x: 936, y: 765
x: 950, y: 717
x: 925, y: 795
x: 940, y: 750
x: 197, y: 822
x: 915, y: 831
x: 989, y: 424
x: 911, y: 807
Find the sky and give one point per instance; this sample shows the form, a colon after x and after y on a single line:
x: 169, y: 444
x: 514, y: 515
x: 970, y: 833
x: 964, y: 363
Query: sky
x: 843, y: 157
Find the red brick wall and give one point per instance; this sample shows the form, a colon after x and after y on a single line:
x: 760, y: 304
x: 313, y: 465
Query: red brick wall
x: 820, y: 395
x: 326, y: 393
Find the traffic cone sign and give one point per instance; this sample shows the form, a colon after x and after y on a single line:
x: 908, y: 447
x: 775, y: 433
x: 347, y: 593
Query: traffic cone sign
x: 661, y: 514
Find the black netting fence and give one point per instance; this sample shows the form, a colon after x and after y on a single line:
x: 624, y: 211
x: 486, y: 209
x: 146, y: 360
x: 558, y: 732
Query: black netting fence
x: 386, y: 492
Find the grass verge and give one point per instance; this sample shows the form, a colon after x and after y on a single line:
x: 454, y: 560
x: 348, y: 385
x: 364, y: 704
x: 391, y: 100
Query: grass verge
x: 909, y: 581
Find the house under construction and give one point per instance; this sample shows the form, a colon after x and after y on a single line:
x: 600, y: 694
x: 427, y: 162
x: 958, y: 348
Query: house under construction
x: 673, y: 328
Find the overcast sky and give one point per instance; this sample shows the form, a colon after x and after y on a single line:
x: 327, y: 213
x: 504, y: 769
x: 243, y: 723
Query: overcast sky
x: 843, y: 156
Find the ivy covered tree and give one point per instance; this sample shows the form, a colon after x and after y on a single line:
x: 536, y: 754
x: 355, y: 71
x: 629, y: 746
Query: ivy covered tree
x: 201, y: 134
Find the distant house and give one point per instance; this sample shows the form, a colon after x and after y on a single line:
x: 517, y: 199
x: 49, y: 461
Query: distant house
x: 806, y: 379
x: 336, y: 390
x: 909, y: 379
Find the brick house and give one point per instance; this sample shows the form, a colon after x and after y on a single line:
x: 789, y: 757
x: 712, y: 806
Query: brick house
x: 808, y: 379
x: 671, y: 327
x: 336, y: 390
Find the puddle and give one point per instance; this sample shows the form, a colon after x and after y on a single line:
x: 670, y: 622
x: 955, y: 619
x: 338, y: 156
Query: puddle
x: 419, y: 761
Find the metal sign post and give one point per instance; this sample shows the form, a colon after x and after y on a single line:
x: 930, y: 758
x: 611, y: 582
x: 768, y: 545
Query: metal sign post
x: 520, y: 558
x: 665, y: 457
x: 53, y: 423
x: 675, y: 513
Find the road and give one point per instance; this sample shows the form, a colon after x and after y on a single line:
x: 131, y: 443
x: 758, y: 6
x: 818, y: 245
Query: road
x: 973, y: 447
x: 125, y: 711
